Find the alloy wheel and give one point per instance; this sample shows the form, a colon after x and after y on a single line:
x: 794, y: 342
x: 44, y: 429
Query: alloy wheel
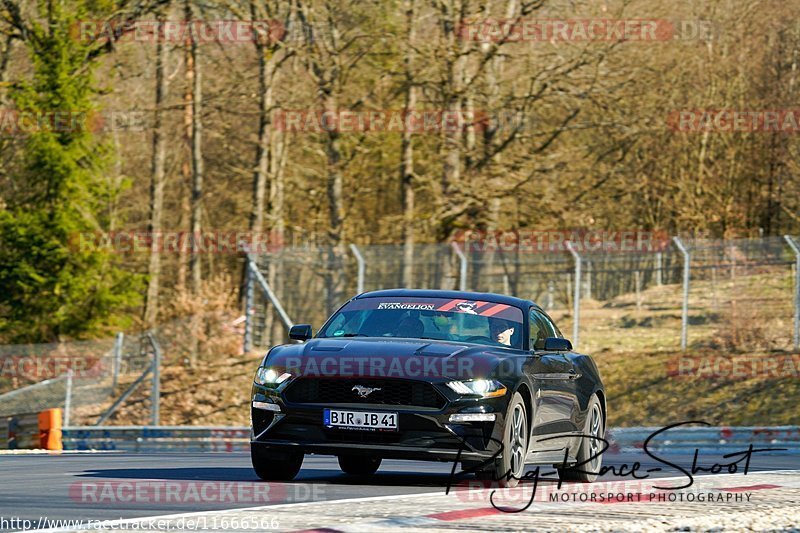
x: 596, y: 431
x: 519, y: 438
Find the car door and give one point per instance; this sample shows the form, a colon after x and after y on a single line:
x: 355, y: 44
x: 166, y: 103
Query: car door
x: 573, y: 370
x: 553, y: 378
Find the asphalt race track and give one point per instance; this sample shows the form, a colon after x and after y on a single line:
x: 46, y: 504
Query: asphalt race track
x: 39, y: 488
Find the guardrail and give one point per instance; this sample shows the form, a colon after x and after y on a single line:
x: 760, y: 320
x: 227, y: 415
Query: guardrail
x: 681, y: 440
x: 157, y: 438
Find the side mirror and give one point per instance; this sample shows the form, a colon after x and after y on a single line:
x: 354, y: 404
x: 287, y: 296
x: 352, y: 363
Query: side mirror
x: 300, y: 332
x: 555, y: 344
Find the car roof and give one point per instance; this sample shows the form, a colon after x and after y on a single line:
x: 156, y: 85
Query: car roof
x: 461, y: 295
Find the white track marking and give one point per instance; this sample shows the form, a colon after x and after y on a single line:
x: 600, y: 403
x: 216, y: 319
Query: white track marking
x: 116, y: 523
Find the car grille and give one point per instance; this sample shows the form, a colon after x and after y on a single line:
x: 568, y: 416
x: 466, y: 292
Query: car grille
x: 393, y: 392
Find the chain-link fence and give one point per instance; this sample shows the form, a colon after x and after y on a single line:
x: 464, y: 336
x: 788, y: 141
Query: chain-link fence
x: 34, y: 376
x: 93, y: 380
x: 741, y: 293
x: 80, y: 377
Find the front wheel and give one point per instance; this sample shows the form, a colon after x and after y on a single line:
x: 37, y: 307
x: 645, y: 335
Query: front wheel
x: 275, y: 466
x: 359, y: 466
x: 590, y: 446
x: 508, y: 470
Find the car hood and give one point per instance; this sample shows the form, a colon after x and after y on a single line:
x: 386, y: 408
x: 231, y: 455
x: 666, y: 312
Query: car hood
x: 387, y: 358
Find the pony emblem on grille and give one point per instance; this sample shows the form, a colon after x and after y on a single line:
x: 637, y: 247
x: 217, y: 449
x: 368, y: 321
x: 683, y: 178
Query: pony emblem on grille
x: 363, y: 391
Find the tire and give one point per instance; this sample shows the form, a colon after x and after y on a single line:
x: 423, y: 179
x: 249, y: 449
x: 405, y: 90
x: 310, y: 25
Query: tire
x: 593, y: 426
x: 355, y: 465
x: 275, y: 466
x: 515, y: 447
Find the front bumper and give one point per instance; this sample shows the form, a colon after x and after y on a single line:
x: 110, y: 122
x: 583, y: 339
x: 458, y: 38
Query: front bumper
x: 423, y: 433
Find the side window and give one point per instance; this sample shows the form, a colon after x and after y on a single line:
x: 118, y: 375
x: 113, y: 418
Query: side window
x: 538, y: 331
x: 541, y: 327
x: 552, y: 330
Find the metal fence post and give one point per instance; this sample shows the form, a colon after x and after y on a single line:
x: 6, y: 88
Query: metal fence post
x: 637, y: 282
x: 247, y: 345
x: 68, y: 398
x: 462, y: 281
x: 658, y: 268
x: 117, y: 357
x: 588, y: 280
x: 361, y: 268
x: 267, y: 290
x: 796, y: 249
x: 685, y: 310
x: 119, y: 401
x: 155, y: 394
x: 576, y: 300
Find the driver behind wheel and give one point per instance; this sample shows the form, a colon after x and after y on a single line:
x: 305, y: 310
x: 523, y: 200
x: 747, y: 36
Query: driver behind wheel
x: 501, y: 331
x: 410, y: 327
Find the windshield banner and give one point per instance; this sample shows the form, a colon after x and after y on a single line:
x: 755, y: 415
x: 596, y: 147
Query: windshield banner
x: 440, y: 305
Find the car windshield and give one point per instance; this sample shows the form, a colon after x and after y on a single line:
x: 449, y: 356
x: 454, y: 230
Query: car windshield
x: 448, y: 319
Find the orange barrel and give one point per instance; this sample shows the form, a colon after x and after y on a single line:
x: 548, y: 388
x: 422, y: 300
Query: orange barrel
x: 50, y: 430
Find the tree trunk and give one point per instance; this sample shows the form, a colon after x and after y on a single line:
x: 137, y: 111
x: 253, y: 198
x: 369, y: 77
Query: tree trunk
x: 277, y: 236
x: 261, y: 163
x: 193, y: 73
x: 5, y: 55
x: 265, y: 72
x: 280, y: 152
x: 333, y: 152
x: 157, y: 184
x: 186, y: 169
x: 197, y: 163
x: 456, y: 66
x: 407, y: 152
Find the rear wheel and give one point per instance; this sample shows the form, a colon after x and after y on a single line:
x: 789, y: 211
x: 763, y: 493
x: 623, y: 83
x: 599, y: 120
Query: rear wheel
x: 508, y: 470
x: 594, y: 430
x: 275, y: 466
x: 359, y: 466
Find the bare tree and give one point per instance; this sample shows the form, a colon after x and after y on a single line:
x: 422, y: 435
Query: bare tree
x: 157, y: 180
x: 407, y: 146
x: 327, y: 64
x: 196, y: 155
x: 271, y: 55
x: 195, y: 88
x: 266, y: 72
x: 186, y: 167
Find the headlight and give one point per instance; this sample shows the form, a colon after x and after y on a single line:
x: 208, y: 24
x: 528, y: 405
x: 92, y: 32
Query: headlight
x: 488, y: 388
x: 268, y: 376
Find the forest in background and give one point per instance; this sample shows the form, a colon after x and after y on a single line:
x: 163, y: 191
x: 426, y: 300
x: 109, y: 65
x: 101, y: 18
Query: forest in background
x: 192, y: 135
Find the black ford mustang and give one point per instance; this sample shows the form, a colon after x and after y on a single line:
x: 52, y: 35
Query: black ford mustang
x: 484, y: 379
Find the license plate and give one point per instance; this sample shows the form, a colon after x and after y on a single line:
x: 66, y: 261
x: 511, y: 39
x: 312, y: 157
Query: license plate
x: 367, y: 421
